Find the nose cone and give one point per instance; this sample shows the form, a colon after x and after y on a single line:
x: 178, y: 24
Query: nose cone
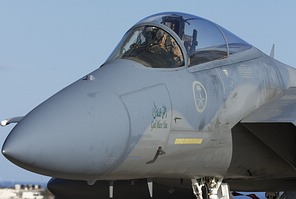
x: 79, y: 133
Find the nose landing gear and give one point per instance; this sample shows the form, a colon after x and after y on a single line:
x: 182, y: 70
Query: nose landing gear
x: 210, y: 188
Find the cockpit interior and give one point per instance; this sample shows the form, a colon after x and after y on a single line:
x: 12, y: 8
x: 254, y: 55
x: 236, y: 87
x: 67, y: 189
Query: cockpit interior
x: 171, y: 40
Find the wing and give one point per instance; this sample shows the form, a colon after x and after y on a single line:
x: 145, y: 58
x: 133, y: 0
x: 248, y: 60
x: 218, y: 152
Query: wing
x: 274, y: 124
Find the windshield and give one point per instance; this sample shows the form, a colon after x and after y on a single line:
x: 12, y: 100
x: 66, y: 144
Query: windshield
x: 152, y: 47
x: 176, y: 40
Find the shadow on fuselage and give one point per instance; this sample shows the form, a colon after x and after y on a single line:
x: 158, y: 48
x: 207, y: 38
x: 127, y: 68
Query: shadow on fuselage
x: 260, y: 168
x: 74, y: 189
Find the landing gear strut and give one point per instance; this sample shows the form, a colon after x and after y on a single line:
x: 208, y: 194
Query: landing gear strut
x: 210, y: 188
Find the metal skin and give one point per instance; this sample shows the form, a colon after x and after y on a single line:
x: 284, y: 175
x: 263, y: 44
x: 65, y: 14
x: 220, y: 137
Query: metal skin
x: 126, y: 121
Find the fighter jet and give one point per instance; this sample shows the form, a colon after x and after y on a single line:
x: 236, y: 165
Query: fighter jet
x: 180, y: 103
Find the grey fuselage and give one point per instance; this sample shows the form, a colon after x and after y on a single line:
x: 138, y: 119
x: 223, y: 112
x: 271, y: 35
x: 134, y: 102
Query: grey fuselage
x: 234, y: 88
x: 128, y: 121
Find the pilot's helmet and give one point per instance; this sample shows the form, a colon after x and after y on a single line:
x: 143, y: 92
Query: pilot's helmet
x: 152, y: 34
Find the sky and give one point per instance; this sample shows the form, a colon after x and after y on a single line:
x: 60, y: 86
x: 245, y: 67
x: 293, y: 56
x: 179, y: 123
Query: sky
x: 46, y: 45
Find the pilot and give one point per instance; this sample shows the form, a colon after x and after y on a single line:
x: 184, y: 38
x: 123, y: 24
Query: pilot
x: 163, y: 46
x: 151, y: 36
x: 170, y: 45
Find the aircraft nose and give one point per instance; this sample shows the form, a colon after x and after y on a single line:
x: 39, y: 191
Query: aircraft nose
x: 80, y: 132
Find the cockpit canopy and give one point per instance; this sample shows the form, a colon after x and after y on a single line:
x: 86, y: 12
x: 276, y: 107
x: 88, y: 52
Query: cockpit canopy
x: 170, y: 40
